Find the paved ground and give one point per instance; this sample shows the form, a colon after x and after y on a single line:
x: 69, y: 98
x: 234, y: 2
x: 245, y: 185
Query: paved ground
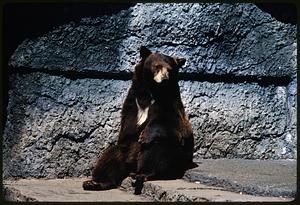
x: 62, y: 190
x: 69, y: 190
x: 256, y: 177
x: 180, y: 190
x: 213, y: 180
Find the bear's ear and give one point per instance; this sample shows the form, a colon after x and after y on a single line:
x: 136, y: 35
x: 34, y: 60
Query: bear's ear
x: 180, y: 61
x: 144, y: 52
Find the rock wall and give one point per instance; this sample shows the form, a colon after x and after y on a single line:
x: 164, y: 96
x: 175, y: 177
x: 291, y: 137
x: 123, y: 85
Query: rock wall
x: 67, y: 87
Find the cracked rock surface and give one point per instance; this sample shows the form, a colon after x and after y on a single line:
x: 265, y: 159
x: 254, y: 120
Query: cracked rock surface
x: 237, y: 39
x: 57, y: 127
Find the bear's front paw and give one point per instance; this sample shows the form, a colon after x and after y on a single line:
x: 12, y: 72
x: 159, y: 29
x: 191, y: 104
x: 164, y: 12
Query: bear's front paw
x: 144, y: 138
x: 145, y: 141
x: 141, y: 141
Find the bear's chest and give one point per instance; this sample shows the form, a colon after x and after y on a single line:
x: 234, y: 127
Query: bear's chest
x: 142, y: 113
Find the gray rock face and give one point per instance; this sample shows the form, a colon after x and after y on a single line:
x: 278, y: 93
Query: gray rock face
x: 57, y: 125
x: 239, y: 120
x: 237, y: 39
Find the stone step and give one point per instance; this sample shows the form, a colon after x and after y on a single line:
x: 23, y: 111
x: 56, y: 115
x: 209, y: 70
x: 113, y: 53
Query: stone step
x: 62, y: 190
x: 256, y: 177
x: 70, y: 190
x: 213, y: 180
x: 181, y: 190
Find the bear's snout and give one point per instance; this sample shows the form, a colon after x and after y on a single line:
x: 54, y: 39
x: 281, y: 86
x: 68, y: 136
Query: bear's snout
x: 163, y: 74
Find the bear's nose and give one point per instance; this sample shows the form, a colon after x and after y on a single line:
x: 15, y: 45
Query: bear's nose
x: 165, y: 74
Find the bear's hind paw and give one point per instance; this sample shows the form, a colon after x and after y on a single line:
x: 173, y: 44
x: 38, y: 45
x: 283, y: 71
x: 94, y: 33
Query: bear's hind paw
x: 96, y: 186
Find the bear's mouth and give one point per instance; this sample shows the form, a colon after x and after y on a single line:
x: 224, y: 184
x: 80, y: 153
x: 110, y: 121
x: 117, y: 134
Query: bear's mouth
x: 161, y: 76
x: 162, y: 84
x: 161, y: 79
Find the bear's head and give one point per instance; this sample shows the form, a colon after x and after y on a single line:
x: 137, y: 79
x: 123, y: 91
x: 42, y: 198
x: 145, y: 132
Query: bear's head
x: 158, y: 68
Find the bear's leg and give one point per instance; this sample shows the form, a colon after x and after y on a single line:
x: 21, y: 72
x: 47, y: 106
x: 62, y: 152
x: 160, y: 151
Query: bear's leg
x: 139, y: 181
x: 111, y: 168
x: 138, y: 184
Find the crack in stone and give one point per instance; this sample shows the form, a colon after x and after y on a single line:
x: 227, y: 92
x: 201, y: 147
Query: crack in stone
x: 69, y: 137
x: 202, y: 77
x: 201, y: 188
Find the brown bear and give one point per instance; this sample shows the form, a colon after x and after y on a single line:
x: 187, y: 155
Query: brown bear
x: 167, y: 140
x: 154, y: 127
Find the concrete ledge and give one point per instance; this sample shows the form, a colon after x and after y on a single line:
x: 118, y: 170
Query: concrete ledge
x: 12, y: 194
x: 213, y: 181
x: 62, y: 190
x: 180, y: 190
x: 70, y: 190
x: 275, y: 178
